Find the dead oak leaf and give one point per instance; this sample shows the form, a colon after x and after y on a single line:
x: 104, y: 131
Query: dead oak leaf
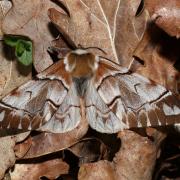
x: 29, y: 18
x: 11, y: 72
x: 59, y: 48
x: 46, y: 143
x: 10, y: 76
x: 7, y: 156
x: 21, y: 149
x: 135, y: 160
x: 102, y: 170
x: 7, y: 144
x: 5, y: 5
x: 110, y: 25
x: 158, y: 50
x: 4, y: 8
x: 166, y: 14
x: 168, y: 19
x: 50, y: 169
x: 89, y: 150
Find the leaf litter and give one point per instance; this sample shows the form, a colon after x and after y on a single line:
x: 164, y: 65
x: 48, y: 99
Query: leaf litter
x: 134, y: 34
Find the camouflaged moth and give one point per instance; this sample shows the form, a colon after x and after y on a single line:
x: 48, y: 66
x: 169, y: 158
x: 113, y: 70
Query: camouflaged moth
x: 83, y: 85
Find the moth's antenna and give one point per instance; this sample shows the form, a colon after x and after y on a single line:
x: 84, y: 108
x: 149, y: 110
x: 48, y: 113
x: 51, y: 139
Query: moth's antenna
x: 107, y: 59
x: 80, y: 46
x: 91, y: 47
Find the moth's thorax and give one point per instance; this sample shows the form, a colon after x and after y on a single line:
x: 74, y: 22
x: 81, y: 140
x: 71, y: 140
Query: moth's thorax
x: 81, y: 63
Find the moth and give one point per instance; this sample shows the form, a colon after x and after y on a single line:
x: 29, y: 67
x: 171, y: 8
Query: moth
x: 84, y: 85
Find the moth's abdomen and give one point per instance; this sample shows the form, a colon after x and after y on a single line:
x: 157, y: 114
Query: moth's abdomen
x: 81, y: 85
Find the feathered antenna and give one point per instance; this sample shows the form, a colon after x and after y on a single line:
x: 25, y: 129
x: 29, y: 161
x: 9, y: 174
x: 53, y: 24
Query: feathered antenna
x: 91, y: 47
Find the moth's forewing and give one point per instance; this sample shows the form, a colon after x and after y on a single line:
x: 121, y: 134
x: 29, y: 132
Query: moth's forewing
x: 48, y: 103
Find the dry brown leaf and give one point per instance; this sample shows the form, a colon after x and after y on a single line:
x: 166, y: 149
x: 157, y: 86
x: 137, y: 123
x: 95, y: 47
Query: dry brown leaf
x: 29, y: 18
x: 109, y: 25
x: 93, y: 23
x: 168, y: 21
x: 135, y: 160
x: 158, y: 50
x: 10, y: 76
x: 7, y: 145
x: 101, y: 170
x: 59, y: 48
x: 159, y: 53
x: 11, y: 72
x: 50, y: 169
x: 167, y: 166
x: 137, y: 156
x: 46, y: 143
x: 166, y: 15
x: 122, y: 35
x: 21, y: 136
x: 21, y: 149
x: 7, y: 156
x: 5, y: 5
x: 89, y: 150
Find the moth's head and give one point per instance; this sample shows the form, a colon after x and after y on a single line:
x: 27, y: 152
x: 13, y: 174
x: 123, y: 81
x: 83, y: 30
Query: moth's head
x: 81, y: 63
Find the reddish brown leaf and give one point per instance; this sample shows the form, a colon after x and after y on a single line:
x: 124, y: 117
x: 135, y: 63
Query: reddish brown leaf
x: 168, y: 23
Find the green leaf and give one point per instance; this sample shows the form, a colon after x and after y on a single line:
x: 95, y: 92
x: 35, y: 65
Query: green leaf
x: 23, y: 52
x: 23, y: 48
x: 11, y: 40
